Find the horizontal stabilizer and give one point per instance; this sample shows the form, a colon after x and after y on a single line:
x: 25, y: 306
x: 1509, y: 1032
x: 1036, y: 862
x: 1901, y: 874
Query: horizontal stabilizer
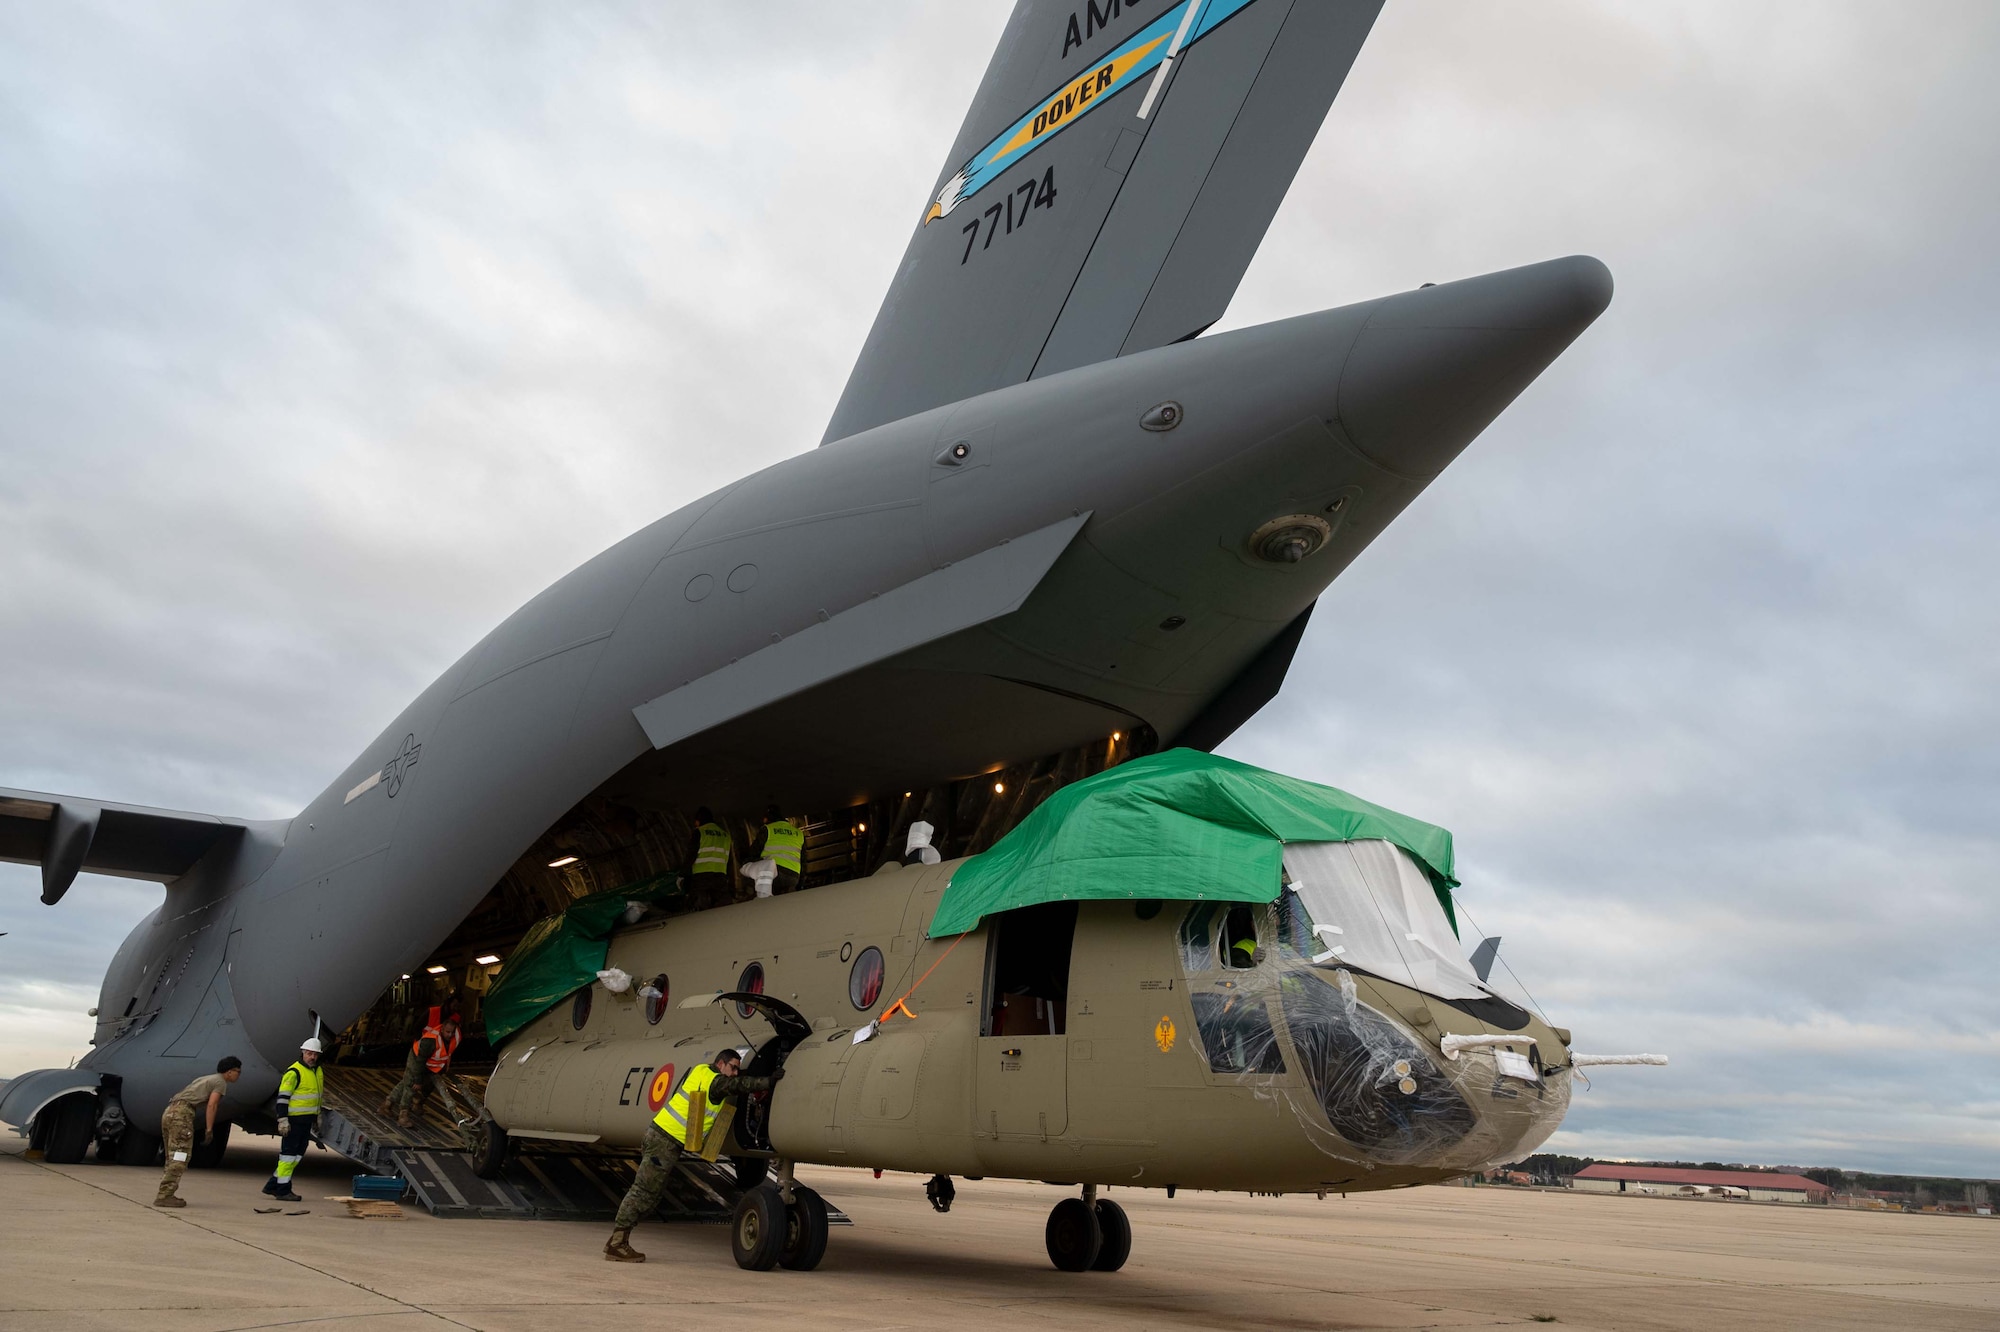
x: 956, y: 597
x: 66, y: 836
x: 1115, y: 175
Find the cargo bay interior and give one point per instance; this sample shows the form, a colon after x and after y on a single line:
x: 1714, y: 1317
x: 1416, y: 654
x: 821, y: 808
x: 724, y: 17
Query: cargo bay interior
x: 616, y: 839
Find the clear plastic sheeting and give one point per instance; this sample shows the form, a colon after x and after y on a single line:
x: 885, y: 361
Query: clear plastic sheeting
x: 1236, y: 1033
x: 1376, y: 1086
x: 1365, y: 1087
x: 1371, y: 906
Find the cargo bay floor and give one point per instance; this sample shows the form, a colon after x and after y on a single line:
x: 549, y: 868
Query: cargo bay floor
x: 80, y: 1248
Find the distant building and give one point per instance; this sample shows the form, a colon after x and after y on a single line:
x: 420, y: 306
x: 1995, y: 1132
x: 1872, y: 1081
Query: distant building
x: 1758, y: 1185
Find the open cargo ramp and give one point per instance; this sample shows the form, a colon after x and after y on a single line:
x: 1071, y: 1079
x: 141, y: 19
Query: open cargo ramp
x: 542, y: 1180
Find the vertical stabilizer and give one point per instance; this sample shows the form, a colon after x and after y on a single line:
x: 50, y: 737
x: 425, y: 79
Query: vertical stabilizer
x: 1117, y: 170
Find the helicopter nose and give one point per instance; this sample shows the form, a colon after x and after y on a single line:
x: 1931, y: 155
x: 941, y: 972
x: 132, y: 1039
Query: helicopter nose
x: 1431, y: 368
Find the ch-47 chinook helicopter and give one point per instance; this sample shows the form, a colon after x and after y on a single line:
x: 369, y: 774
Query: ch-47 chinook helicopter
x: 1181, y: 972
x: 1051, y: 528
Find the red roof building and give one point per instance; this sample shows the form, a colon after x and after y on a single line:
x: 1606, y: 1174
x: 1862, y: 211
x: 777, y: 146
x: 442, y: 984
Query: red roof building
x: 1613, y: 1177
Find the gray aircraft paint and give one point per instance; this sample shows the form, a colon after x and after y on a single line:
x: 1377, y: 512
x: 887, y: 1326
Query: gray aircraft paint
x: 786, y: 637
x: 1158, y: 217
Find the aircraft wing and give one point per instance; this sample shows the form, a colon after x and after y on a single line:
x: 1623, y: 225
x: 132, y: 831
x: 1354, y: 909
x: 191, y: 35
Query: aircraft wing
x: 66, y: 835
x: 1117, y: 170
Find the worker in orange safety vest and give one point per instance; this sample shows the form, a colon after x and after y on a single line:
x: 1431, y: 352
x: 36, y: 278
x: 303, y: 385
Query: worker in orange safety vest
x: 430, y: 1056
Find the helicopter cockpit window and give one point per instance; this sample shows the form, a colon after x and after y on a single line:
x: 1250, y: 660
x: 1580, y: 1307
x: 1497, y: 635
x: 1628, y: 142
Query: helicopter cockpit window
x: 1296, y: 940
x: 1236, y: 1032
x: 1239, y: 939
x: 1197, y: 938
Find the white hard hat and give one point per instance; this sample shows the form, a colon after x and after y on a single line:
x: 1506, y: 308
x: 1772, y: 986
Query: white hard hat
x: 311, y: 1045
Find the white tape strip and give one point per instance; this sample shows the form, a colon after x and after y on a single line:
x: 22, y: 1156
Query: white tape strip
x: 1451, y: 1045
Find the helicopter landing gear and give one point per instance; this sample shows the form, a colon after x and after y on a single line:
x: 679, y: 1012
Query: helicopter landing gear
x: 805, y: 1231
x: 1088, y: 1234
x: 1117, y: 1229
x: 780, y: 1223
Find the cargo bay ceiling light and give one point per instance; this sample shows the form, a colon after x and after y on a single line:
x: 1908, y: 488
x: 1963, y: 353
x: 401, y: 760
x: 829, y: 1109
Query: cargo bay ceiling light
x: 437, y: 971
x: 1290, y: 539
x: 487, y: 959
x: 566, y: 860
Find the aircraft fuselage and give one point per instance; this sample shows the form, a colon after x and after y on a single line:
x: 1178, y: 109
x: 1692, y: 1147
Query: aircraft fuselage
x: 1124, y: 1071
x: 1119, y: 571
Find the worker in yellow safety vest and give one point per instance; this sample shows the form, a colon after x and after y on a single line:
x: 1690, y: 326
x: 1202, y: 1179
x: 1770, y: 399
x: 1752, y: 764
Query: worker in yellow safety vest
x: 708, y: 878
x: 706, y: 1086
x: 298, y: 1111
x: 784, y: 844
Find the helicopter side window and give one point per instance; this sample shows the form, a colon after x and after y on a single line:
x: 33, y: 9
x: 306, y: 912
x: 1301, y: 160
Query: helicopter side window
x: 1236, y: 1032
x: 1197, y: 939
x: 1296, y: 938
x: 1239, y: 939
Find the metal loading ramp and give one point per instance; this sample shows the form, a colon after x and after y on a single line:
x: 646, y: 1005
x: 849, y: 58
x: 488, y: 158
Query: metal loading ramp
x: 542, y: 1180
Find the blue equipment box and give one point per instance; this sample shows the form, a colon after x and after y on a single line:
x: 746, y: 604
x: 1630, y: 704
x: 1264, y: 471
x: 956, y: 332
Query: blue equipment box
x: 385, y: 1188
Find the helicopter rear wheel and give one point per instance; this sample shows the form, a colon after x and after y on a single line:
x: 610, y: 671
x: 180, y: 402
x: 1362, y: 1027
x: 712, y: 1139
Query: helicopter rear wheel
x: 1073, y: 1236
x: 1117, y: 1228
x: 805, y: 1231
x: 757, y: 1231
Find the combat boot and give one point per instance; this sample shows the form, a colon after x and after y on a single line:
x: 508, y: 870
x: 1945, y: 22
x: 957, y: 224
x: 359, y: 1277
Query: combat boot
x: 168, y: 1198
x: 618, y: 1249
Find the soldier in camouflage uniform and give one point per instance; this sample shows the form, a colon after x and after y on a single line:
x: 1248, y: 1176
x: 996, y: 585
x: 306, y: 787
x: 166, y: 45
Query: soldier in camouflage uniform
x: 177, y: 1124
x: 666, y: 1139
x: 430, y: 1055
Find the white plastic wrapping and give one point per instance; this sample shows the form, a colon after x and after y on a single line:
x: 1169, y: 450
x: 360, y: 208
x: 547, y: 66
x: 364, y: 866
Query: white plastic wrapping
x: 919, y: 844
x: 763, y: 873
x: 1367, y: 1089
x: 615, y: 980
x: 1374, y: 908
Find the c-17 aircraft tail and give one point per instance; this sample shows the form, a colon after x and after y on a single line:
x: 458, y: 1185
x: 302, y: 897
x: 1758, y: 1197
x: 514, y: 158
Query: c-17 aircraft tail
x: 1117, y: 170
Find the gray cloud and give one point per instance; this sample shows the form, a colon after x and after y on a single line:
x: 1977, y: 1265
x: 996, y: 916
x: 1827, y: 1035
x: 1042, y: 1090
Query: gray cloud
x: 327, y: 339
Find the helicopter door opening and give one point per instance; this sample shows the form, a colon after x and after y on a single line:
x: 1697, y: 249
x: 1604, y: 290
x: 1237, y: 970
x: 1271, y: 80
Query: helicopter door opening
x: 1024, y: 1042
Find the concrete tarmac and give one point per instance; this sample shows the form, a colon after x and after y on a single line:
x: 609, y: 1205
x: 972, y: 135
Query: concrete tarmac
x: 80, y: 1247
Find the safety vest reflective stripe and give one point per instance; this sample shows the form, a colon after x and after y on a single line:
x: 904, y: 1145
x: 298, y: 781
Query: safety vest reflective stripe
x: 712, y: 855
x: 440, y: 1058
x: 672, y: 1118
x: 784, y: 843
x: 299, y: 1089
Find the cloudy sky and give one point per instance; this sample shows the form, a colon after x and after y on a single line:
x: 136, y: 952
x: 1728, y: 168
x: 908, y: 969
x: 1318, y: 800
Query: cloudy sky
x: 329, y: 337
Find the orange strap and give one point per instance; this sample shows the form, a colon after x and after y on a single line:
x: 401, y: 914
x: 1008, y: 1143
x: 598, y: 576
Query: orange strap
x: 901, y: 1004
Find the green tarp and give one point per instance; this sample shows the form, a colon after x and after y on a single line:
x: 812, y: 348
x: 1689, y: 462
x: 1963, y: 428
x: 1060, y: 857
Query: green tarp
x: 1182, y: 825
x: 562, y: 954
